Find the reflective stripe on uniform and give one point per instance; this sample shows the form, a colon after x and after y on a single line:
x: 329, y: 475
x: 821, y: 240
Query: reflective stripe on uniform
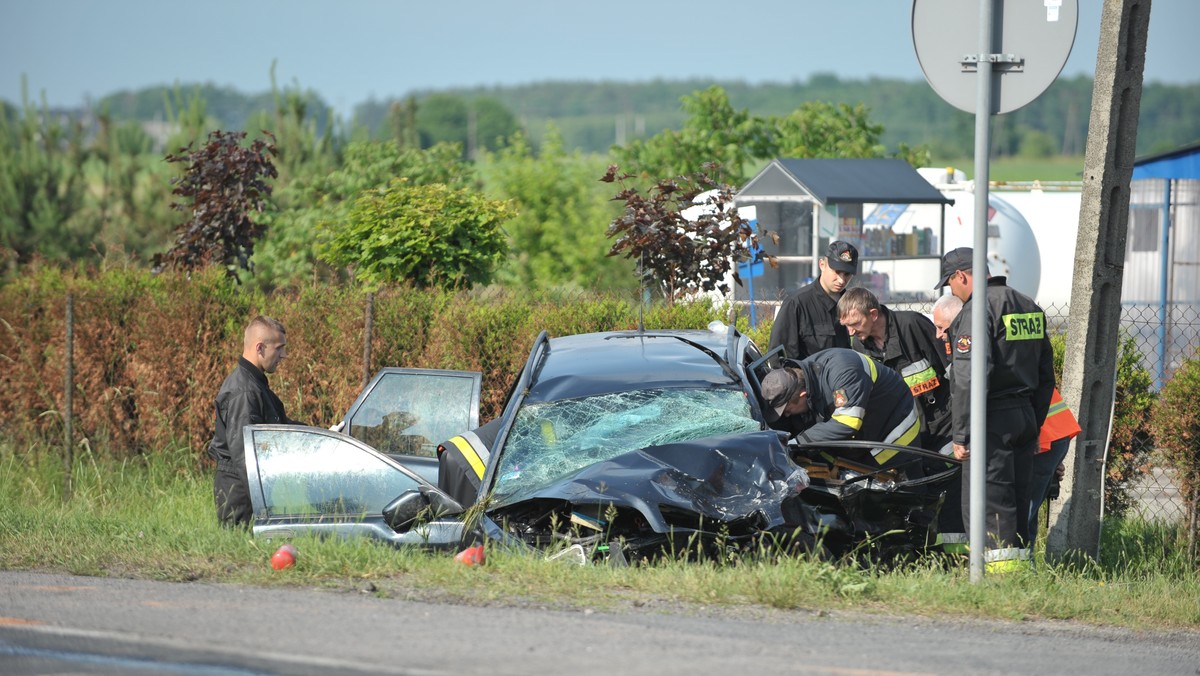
x: 1007, y: 560
x: 952, y: 539
x: 953, y: 543
x: 1056, y: 408
x: 920, y: 377
x: 901, y: 435
x: 850, y: 416
x: 473, y: 451
x: 870, y: 366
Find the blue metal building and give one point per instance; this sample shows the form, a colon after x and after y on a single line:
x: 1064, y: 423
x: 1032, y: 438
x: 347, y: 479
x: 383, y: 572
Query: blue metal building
x: 1161, y: 285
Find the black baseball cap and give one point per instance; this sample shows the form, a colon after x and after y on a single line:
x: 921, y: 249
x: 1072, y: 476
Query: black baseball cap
x: 842, y: 256
x: 952, y: 262
x: 778, y: 388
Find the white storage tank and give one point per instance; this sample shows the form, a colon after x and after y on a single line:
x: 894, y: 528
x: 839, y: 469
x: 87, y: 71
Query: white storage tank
x: 1012, y: 247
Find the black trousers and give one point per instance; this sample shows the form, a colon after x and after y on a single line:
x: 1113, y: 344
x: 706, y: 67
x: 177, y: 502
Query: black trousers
x: 232, y: 496
x: 1012, y: 441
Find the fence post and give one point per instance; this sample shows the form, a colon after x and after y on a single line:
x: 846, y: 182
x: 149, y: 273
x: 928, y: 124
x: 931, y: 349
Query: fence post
x: 368, y: 331
x: 69, y: 389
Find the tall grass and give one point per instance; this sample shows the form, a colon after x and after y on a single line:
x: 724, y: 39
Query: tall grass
x: 152, y: 517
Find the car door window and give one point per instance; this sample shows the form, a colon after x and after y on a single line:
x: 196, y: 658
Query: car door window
x: 306, y: 471
x: 409, y: 411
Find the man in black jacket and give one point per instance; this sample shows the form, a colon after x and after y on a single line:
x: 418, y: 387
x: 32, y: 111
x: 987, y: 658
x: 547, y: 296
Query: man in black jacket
x: 245, y: 398
x: 849, y: 396
x: 807, y: 321
x: 907, y: 342
x: 1020, y: 384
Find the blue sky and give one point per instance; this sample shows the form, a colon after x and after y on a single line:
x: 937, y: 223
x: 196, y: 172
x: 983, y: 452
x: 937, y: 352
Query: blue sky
x: 350, y: 51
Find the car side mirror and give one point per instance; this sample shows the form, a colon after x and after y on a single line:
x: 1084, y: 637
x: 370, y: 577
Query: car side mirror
x: 416, y: 505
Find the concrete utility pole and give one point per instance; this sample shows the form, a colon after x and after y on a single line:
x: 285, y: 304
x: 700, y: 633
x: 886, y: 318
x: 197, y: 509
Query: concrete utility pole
x: 1093, y: 330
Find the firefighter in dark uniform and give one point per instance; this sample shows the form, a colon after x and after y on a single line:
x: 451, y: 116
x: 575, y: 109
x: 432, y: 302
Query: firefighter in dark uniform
x: 850, y: 396
x: 807, y: 321
x: 907, y: 342
x: 463, y: 460
x: 245, y: 398
x: 1020, y: 385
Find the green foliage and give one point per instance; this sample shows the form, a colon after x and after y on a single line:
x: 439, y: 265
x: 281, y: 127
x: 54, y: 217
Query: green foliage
x: 312, y: 203
x: 222, y: 185
x: 740, y: 143
x: 1175, y: 420
x: 130, y: 194
x: 681, y: 255
x: 1130, y: 442
x: 42, y: 189
x: 151, y: 518
x: 426, y: 235
x: 713, y: 134
x: 822, y: 129
x: 478, y: 123
x: 557, y: 238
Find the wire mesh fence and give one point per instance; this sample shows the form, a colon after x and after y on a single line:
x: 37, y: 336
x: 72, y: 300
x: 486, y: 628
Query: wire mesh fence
x: 1140, y: 482
x: 1165, y: 336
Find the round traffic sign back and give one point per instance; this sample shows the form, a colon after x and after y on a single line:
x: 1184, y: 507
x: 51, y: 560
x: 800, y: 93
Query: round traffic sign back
x: 1031, y: 40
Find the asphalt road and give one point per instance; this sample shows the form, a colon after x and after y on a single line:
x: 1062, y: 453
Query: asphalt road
x: 59, y: 624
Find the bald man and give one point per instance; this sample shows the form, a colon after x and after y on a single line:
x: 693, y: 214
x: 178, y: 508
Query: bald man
x: 245, y: 398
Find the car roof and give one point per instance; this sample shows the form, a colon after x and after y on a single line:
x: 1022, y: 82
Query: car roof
x: 616, y: 361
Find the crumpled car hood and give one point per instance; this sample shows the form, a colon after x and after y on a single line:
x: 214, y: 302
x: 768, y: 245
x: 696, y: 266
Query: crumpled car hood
x: 739, y: 478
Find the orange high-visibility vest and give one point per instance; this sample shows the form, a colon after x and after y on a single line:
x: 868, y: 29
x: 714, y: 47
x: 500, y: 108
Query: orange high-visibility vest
x: 1060, y: 423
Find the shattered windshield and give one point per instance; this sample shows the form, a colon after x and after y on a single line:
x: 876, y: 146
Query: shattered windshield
x: 553, y: 440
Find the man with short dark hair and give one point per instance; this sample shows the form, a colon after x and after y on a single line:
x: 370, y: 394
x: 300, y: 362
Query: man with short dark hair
x: 807, y: 321
x: 1020, y: 384
x: 245, y: 398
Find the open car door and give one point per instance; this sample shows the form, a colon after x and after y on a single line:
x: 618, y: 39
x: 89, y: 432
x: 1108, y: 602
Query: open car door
x: 310, y: 479
x: 406, y: 413
x: 313, y: 480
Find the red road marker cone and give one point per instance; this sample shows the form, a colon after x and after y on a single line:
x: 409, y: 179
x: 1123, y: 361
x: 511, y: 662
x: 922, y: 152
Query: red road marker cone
x: 471, y: 556
x: 284, y: 557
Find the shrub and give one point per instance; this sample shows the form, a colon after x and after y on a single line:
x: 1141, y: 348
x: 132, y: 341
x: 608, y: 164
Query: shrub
x: 1175, y: 420
x: 1130, y: 440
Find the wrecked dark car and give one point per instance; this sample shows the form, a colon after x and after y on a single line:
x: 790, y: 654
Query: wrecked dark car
x: 616, y: 446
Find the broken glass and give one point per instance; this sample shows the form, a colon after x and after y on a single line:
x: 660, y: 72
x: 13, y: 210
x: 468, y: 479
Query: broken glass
x: 552, y: 440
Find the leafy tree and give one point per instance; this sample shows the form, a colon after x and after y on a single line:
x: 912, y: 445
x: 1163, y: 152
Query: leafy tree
x: 481, y: 123
x: 402, y: 122
x: 714, y: 134
x: 739, y: 142
x: 443, y: 118
x: 130, y: 188
x: 682, y: 254
x: 222, y: 185
x: 42, y: 188
x: 287, y: 255
x: 822, y: 129
x: 426, y: 235
x: 557, y: 239
x: 494, y: 124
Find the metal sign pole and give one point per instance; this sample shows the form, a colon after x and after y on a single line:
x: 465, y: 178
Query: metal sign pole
x: 1012, y: 61
x: 979, y: 306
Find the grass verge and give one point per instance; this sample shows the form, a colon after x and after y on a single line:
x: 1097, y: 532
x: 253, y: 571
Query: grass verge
x: 153, y: 518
